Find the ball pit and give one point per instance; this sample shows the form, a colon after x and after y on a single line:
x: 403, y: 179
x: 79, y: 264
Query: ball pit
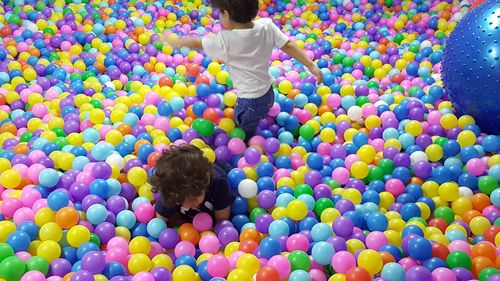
x: 369, y: 176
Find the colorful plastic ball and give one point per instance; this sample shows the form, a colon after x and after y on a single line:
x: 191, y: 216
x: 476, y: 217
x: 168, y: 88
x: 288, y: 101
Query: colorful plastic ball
x: 247, y: 188
x: 371, y: 261
x: 420, y: 248
x: 393, y: 271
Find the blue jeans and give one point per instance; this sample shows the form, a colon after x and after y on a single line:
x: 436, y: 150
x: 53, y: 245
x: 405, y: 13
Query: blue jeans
x: 249, y: 112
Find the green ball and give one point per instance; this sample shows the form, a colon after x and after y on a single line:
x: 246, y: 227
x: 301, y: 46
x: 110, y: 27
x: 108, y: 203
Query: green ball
x: 373, y: 85
x: 15, y: 19
x: 445, y: 213
x: 487, y: 272
x: 37, y: 263
x: 362, y: 100
x: 96, y: 103
x: 348, y: 61
x: 299, y: 260
x: 414, y: 48
x: 321, y: 205
x: 302, y: 189
x: 5, y: 251
x: 375, y: 173
x: 255, y: 213
x: 205, y: 128
x: 337, y: 58
x: 419, y: 219
x: 369, y: 71
x: 26, y: 137
x: 398, y: 38
x: 458, y: 259
x: 413, y: 89
x: 306, y: 132
x: 61, y: 142
x: 59, y: 132
x: 95, y: 239
x: 386, y: 165
x: 238, y: 133
x: 12, y: 268
x: 441, y: 141
x: 487, y: 184
x: 333, y: 184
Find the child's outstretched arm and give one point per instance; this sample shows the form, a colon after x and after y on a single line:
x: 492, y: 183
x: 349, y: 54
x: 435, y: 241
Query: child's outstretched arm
x: 295, y: 52
x: 176, y: 41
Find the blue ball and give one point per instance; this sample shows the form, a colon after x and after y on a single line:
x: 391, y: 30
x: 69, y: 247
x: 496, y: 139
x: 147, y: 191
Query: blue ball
x: 19, y: 241
x: 99, y: 187
x: 155, y: 227
x: 49, y: 178
x: 393, y: 250
x: 321, y: 232
x: 114, y: 269
x: 467, y: 54
x: 69, y: 253
x: 279, y: 228
x: 434, y: 263
x: 410, y: 210
x: 299, y: 274
x: 85, y: 248
x: 315, y: 161
x: 269, y: 247
x: 393, y: 271
x: 186, y: 260
x: 57, y: 199
x: 377, y: 222
x: 203, y: 272
x: 96, y: 214
x: 30, y: 228
x: 307, y: 223
x: 126, y: 218
x: 420, y: 248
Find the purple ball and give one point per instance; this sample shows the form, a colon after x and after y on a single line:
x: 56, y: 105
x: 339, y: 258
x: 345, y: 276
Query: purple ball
x: 116, y: 204
x: 93, y: 262
x: 223, y: 154
x: 161, y: 274
x: 422, y: 169
x: 322, y: 191
x: 313, y: 178
x: 343, y: 226
x: 262, y: 223
x: 462, y: 274
x: 266, y: 199
x: 82, y: 275
x: 78, y: 191
x: 338, y: 151
x: 168, y: 238
x: 418, y: 273
x: 105, y: 231
x: 227, y: 235
x: 344, y: 205
x: 90, y: 200
x: 101, y: 170
x: 59, y: 267
x: 128, y: 191
x: 271, y: 145
x: 338, y: 243
x: 401, y: 160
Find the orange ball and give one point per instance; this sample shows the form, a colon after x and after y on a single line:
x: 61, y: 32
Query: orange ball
x: 125, y: 129
x: 211, y: 115
x: 248, y: 246
x: 491, y: 232
x: 484, y: 249
x: 8, y: 128
x: 228, y: 112
x: 480, y: 201
x: 469, y: 215
x: 67, y: 217
x: 139, y: 143
x: 480, y: 263
x: 190, y: 234
x: 250, y: 234
x: 21, y: 148
x: 387, y: 258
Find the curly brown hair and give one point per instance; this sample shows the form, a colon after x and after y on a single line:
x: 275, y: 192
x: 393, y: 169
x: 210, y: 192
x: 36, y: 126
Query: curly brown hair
x: 240, y: 11
x: 182, y: 173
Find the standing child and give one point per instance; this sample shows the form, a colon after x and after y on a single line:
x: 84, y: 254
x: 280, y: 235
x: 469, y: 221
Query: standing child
x: 245, y: 46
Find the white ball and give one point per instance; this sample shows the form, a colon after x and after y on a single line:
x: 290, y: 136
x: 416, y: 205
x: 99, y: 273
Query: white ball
x: 418, y: 156
x: 247, y: 188
x: 355, y: 113
x: 465, y: 192
x: 116, y: 160
x: 380, y: 102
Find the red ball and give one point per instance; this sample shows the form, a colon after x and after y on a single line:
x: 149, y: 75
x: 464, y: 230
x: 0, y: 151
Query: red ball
x: 268, y: 273
x: 202, y: 79
x: 165, y: 81
x: 193, y: 70
x: 491, y: 232
x: 440, y: 251
x: 211, y: 114
x: 358, y: 274
x: 439, y: 223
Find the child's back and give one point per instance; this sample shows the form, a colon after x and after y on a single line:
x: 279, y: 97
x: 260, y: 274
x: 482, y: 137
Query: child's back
x: 246, y: 52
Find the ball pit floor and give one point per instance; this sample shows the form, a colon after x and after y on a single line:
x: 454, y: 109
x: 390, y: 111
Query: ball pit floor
x: 369, y: 175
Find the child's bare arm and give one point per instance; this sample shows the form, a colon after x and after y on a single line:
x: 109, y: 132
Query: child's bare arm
x: 190, y: 42
x: 223, y: 214
x: 295, y: 52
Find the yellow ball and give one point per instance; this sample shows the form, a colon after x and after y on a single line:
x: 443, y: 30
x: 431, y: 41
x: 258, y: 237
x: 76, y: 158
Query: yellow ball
x: 77, y: 235
x: 43, y: 216
x: 97, y: 116
x: 479, y: 224
x: 183, y: 273
x: 329, y: 215
x: 237, y: 275
x: 414, y: 128
x: 10, y: 178
x: 230, y: 99
x: 352, y: 195
x: 448, y: 191
x: 297, y: 210
x: 337, y: 277
x: 327, y: 135
x: 366, y: 153
x: 359, y: 170
x: 4, y: 165
x: 6, y: 228
x: 434, y: 152
x: 214, y: 68
x: 140, y: 245
x: 371, y: 261
x: 137, y: 176
x: 162, y: 260
x: 448, y: 121
x: 285, y: 87
x: 248, y: 263
x: 354, y: 245
x: 49, y: 250
x: 51, y: 231
x: 466, y: 138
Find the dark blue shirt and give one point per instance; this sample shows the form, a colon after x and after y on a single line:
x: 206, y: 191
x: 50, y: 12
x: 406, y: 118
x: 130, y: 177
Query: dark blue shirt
x: 217, y: 197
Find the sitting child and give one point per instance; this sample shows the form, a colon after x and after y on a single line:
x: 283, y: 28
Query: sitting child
x: 188, y: 183
x: 245, y: 45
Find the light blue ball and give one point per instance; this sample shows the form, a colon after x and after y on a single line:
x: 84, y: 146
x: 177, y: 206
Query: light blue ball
x: 284, y: 199
x: 321, y: 232
x: 299, y: 275
x: 97, y: 214
x: 79, y: 162
x: 138, y: 201
x: 279, y: 228
x: 90, y: 135
x: 308, y: 200
x: 322, y: 252
x: 393, y: 272
x: 495, y: 196
x: 48, y: 177
x: 126, y: 218
x: 155, y: 227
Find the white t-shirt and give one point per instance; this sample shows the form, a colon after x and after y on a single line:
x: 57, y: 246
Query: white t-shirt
x: 246, y: 52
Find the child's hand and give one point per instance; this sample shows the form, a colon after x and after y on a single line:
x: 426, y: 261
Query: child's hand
x: 169, y: 38
x: 314, y: 69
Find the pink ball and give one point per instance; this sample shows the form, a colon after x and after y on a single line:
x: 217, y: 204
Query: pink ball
x: 395, y: 187
x: 334, y: 101
x: 236, y: 145
x: 433, y: 117
x: 343, y: 261
x: 162, y: 123
x: 459, y: 245
x: 35, y: 170
x: 324, y: 148
x: 33, y: 275
x: 209, y: 244
x: 10, y: 206
x: 375, y: 240
x: 143, y: 276
x: 317, y: 275
x: 144, y: 212
x: 184, y: 248
x: 275, y: 110
x: 476, y: 166
x: 24, y: 214
x: 202, y: 222
x: 148, y: 119
x: 233, y: 258
x: 443, y: 273
x: 54, y: 278
x: 29, y: 196
x: 24, y: 256
x: 341, y: 175
x: 297, y: 242
x: 407, y: 263
x: 281, y: 264
x: 117, y: 255
x: 351, y: 159
x: 156, y: 249
x: 39, y: 204
x: 117, y: 242
x: 218, y: 266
